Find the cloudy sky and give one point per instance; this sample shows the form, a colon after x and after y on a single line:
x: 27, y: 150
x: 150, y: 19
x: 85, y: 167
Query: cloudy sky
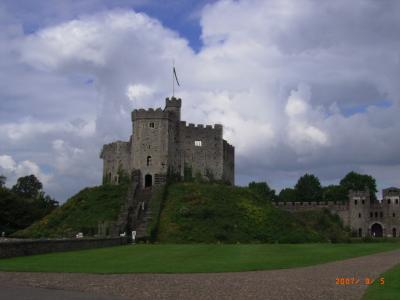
x: 299, y: 85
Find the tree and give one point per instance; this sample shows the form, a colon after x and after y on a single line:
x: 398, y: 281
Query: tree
x: 308, y: 188
x: 287, y: 195
x: 359, y: 182
x: 27, y: 186
x: 3, y: 180
x: 334, y: 193
x: 263, y: 190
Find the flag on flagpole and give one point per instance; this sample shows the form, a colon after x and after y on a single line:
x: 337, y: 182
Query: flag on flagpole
x: 176, y: 77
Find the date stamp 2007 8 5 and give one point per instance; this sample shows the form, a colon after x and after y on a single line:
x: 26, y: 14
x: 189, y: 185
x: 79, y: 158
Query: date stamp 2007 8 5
x: 355, y: 280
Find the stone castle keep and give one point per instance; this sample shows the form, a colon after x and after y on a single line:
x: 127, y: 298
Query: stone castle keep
x: 364, y: 216
x: 162, y: 144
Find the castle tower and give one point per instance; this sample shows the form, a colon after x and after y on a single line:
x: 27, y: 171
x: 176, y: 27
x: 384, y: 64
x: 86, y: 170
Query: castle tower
x: 161, y: 145
x: 391, y: 208
x: 359, y: 207
x: 149, y: 151
x: 173, y: 105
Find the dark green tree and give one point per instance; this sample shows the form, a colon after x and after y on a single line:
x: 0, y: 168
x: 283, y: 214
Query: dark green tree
x: 334, y: 193
x: 308, y: 188
x: 263, y: 190
x: 28, y: 187
x: 3, y: 180
x: 359, y: 182
x: 18, y: 212
x: 287, y: 195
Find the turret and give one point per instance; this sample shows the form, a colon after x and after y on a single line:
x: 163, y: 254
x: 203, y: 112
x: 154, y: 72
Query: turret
x: 174, y: 105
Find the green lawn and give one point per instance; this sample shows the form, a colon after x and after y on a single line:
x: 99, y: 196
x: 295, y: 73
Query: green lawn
x: 390, y: 290
x: 191, y: 258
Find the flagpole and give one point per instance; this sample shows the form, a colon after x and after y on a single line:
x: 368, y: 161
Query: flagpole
x: 173, y: 79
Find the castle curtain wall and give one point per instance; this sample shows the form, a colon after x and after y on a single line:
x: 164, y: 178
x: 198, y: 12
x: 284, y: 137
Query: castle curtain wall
x: 116, y: 159
x: 202, y: 149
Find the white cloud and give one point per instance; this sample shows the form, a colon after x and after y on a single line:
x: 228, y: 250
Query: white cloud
x: 281, y: 80
x: 7, y: 163
x: 13, y: 170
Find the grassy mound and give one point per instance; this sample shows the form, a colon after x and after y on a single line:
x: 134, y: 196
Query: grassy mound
x: 210, y: 213
x: 81, y: 213
x: 326, y: 224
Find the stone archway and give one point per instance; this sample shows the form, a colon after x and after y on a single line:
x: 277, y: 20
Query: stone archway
x: 148, y: 180
x: 377, y: 230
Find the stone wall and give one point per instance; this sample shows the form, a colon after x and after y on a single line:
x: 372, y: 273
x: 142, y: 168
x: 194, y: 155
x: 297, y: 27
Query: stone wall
x: 116, y: 157
x: 203, y: 148
x: 32, y: 247
x: 150, y: 142
x: 160, y: 143
x: 228, y: 163
x: 360, y: 213
x: 340, y: 208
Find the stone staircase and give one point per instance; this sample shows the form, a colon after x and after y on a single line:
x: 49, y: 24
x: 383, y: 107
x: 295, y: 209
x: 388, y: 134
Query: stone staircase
x: 142, y: 215
x: 122, y: 223
x: 135, y: 214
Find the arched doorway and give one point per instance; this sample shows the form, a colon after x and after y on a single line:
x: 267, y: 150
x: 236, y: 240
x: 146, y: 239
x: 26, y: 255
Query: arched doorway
x: 148, y: 180
x: 376, y: 230
x: 394, y: 232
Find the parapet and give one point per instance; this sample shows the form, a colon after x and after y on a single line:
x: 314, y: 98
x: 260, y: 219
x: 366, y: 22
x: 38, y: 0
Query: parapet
x: 392, y: 191
x: 173, y: 102
x: 150, y: 114
x: 228, y: 146
x: 338, y: 205
x: 201, y: 127
x: 359, y: 194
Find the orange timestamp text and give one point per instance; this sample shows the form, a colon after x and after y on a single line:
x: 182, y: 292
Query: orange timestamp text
x: 355, y: 280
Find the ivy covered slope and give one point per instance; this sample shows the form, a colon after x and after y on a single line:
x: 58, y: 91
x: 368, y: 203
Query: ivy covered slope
x: 210, y: 213
x: 81, y: 213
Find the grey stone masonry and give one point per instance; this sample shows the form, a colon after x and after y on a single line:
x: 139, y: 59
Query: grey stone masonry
x: 364, y: 216
x: 162, y: 144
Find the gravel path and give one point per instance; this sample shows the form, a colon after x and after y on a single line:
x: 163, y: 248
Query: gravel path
x: 315, y: 282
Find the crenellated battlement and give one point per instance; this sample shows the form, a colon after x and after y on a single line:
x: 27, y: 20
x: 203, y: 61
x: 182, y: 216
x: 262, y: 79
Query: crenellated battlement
x: 173, y: 102
x: 228, y: 146
x: 359, y: 194
x: 296, y: 205
x: 150, y: 114
x: 202, y: 127
x: 390, y: 192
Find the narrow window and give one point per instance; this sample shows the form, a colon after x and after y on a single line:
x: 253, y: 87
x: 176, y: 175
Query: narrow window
x: 394, y: 232
x: 371, y: 214
x: 359, y: 215
x: 381, y: 214
x: 394, y: 215
x: 149, y: 160
x: 397, y: 201
x: 376, y: 214
x: 388, y: 201
x: 151, y: 124
x: 355, y: 202
x: 359, y: 232
x: 197, y: 143
x: 363, y: 202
